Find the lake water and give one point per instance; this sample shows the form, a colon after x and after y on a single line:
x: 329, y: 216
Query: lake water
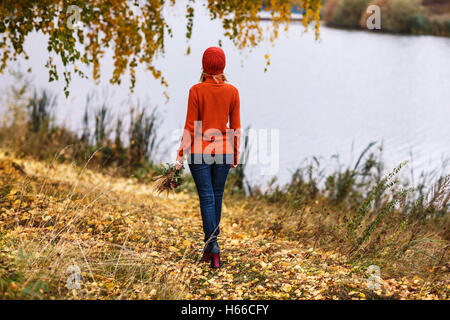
x: 328, y: 97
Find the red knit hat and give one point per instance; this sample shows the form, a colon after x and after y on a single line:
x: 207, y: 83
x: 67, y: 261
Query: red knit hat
x: 213, y: 60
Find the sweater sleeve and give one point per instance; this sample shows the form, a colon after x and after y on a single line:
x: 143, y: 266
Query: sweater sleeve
x: 235, y: 124
x: 188, y: 132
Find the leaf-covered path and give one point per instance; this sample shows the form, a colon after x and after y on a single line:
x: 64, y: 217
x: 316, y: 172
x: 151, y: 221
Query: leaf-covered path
x: 132, y: 244
x: 258, y: 266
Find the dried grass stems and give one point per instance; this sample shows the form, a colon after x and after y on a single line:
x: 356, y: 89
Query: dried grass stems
x: 169, y: 179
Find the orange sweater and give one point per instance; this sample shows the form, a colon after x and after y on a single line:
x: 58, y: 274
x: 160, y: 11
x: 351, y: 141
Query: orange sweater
x: 211, y: 106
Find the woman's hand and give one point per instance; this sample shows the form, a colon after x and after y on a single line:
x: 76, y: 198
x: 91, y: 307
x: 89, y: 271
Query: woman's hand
x: 233, y: 166
x: 178, y: 164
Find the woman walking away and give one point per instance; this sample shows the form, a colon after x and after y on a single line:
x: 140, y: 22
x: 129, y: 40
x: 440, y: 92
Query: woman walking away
x: 210, y: 142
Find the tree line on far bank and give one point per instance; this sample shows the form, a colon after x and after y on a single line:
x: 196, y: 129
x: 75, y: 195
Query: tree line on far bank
x: 420, y: 17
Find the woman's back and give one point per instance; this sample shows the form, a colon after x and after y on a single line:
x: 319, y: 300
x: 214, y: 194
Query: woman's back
x: 216, y: 104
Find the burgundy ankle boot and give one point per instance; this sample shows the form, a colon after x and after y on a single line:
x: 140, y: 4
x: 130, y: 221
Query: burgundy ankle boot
x: 215, y: 261
x: 207, y: 257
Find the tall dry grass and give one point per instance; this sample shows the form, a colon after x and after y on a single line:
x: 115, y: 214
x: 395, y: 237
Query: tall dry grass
x: 371, y: 216
x: 121, y: 144
x: 56, y: 219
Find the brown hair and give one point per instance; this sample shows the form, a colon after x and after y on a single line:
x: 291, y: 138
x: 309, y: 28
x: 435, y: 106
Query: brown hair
x: 214, y: 76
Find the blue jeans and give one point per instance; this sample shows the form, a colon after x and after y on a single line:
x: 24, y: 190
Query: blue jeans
x: 210, y: 180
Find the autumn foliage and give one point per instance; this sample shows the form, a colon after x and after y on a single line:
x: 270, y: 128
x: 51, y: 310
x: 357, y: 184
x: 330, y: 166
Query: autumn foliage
x: 135, y: 32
